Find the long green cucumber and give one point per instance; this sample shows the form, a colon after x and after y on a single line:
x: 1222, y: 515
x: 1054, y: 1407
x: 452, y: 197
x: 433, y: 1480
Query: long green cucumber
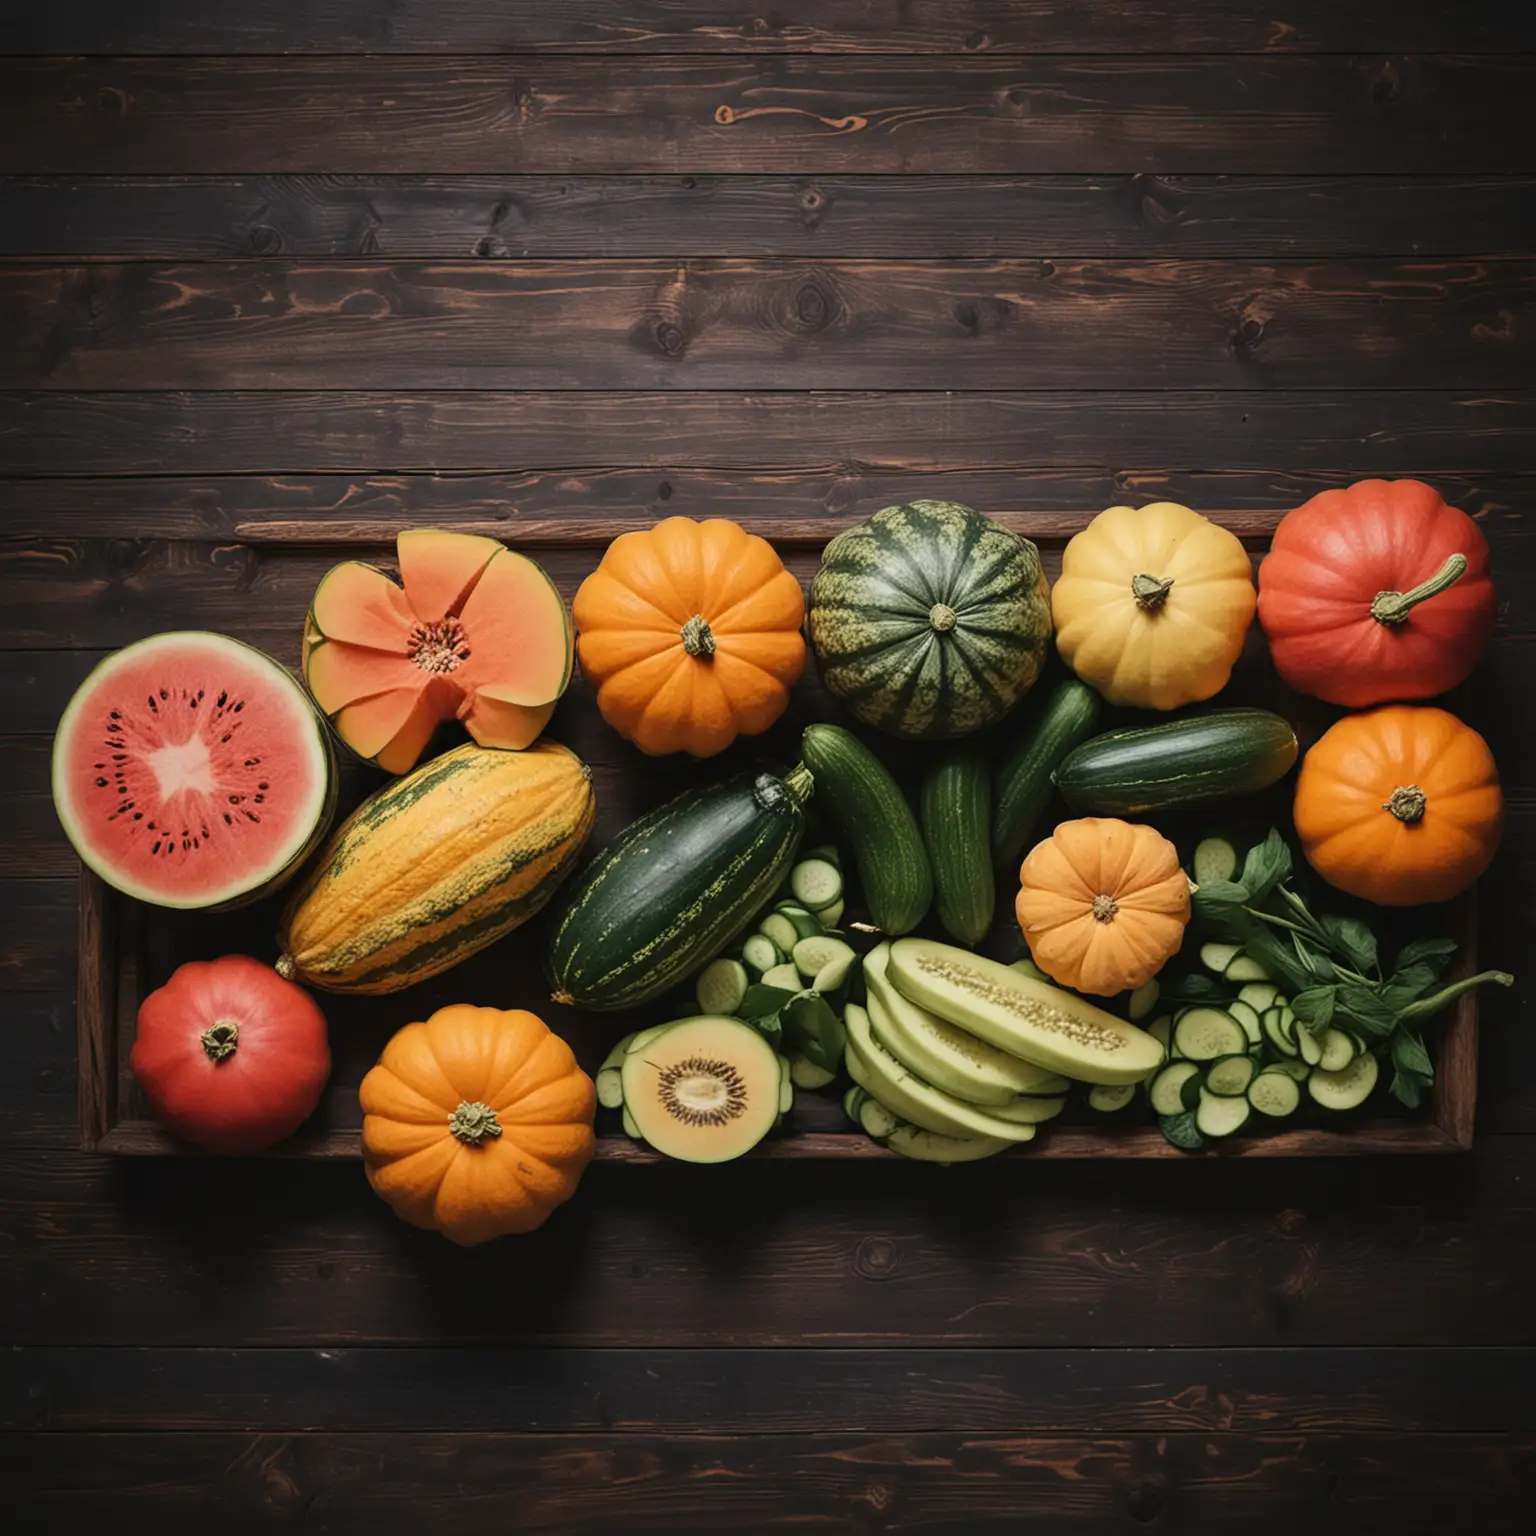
x: 873, y: 820
x: 1049, y: 728
x: 955, y: 810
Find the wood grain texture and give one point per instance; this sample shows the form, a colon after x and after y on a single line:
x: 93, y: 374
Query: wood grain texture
x: 1180, y: 114
x: 790, y: 1391
x: 38, y: 951
x: 942, y: 1483
x: 1113, y: 430
x: 209, y: 1252
x: 38, y: 1104
x: 834, y: 26
x: 738, y: 324
x: 443, y: 217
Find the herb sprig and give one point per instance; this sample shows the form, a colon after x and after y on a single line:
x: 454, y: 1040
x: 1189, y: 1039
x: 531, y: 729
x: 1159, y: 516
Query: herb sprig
x: 1330, y: 965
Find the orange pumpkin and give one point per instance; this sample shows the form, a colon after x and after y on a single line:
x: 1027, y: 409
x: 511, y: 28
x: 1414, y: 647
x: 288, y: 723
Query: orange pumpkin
x: 476, y: 1123
x: 1401, y: 805
x: 691, y: 632
x: 1103, y: 904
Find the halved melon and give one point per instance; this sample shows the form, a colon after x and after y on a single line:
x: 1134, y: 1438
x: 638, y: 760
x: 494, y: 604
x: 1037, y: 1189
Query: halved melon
x: 190, y: 770
x: 471, y: 631
x: 704, y: 1090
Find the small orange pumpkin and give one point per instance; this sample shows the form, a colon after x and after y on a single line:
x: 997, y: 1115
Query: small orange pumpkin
x: 1103, y: 904
x: 691, y: 632
x: 476, y: 1123
x: 1400, y: 806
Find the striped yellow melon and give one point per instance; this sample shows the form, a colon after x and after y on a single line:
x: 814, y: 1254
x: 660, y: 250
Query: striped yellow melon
x: 436, y: 866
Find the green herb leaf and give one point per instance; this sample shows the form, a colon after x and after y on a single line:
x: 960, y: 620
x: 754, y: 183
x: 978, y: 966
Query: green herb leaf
x: 1197, y: 987
x: 1409, y: 1055
x: 1267, y: 864
x: 1406, y: 1089
x: 1364, y: 1009
x: 759, y: 1001
x: 1314, y: 1007
x: 1313, y: 959
x: 1408, y: 985
x: 1435, y: 953
x: 1353, y: 939
x: 1273, y: 951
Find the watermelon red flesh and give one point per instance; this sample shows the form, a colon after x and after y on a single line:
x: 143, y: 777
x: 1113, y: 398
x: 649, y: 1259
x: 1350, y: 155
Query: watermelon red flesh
x: 190, y: 770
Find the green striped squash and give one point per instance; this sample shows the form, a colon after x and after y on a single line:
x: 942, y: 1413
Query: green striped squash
x: 930, y: 620
x: 437, y: 865
x: 673, y: 889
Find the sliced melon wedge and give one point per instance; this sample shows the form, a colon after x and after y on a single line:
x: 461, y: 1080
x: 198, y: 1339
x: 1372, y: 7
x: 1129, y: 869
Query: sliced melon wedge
x: 703, y: 1090
x: 1033, y: 1019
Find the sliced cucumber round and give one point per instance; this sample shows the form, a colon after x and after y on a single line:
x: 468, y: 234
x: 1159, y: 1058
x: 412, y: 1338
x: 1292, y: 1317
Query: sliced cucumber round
x: 1276, y: 1094
x: 609, y: 1082
x: 783, y: 932
x: 816, y: 884
x: 821, y: 956
x: 878, y: 1122
x: 1230, y: 1076
x: 760, y: 953
x: 1143, y: 1000
x: 808, y: 1074
x: 1338, y: 1050
x: 1217, y: 1116
x: 1215, y: 860
x: 1204, y: 1034
x: 720, y: 986
x: 1109, y: 1097
x: 1175, y: 1089
x: 1347, y: 1089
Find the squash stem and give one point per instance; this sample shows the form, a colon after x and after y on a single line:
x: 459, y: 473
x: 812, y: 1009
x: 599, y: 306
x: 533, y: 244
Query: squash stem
x: 472, y: 1123
x: 1427, y: 1006
x: 799, y: 783
x: 697, y: 637
x: 1150, y: 592
x: 1407, y: 803
x: 220, y: 1039
x: 1394, y: 607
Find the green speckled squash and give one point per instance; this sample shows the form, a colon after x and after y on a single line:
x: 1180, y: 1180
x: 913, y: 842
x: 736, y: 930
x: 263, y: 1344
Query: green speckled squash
x: 930, y: 620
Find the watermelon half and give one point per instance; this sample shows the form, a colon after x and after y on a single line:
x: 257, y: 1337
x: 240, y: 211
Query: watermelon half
x: 191, y: 770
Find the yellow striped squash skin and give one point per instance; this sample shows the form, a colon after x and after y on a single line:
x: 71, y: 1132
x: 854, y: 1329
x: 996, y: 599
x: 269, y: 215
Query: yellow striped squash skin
x: 437, y: 865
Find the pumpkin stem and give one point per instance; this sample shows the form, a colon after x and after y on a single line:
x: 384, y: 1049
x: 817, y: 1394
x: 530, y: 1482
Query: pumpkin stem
x: 562, y: 997
x: 220, y: 1039
x: 472, y: 1123
x: 1394, y: 607
x: 1407, y: 803
x: 1104, y: 908
x: 1150, y: 592
x: 286, y: 967
x: 698, y: 640
x: 942, y: 617
x: 799, y: 783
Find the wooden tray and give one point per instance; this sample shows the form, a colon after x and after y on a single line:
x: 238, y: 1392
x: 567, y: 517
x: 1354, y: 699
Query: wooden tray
x: 127, y: 949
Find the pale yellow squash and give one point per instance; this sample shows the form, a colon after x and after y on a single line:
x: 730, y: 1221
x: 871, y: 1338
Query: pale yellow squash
x: 1153, y: 604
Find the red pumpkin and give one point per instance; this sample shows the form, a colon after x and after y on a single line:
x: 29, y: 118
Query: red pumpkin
x: 1376, y: 592
x: 231, y: 1056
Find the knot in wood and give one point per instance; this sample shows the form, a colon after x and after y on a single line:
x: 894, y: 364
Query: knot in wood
x: 876, y: 1258
x: 265, y: 240
x: 813, y: 309
x: 670, y: 338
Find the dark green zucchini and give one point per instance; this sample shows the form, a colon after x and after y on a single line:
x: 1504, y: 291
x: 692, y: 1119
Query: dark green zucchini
x: 1182, y: 762
x: 955, y: 810
x: 673, y: 889
x: 1048, y: 729
x: 874, y: 822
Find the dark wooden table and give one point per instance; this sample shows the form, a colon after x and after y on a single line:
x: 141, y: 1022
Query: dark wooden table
x: 332, y: 259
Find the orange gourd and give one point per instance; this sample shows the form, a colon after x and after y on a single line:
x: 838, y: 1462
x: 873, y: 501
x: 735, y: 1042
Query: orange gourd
x: 476, y: 1123
x: 1103, y: 904
x: 1400, y: 806
x: 691, y: 632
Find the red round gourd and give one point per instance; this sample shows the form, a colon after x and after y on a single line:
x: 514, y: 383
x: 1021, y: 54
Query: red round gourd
x: 230, y: 1056
x: 1376, y: 592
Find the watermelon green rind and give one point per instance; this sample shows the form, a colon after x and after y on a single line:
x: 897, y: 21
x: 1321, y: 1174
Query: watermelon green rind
x: 869, y: 619
x: 673, y: 889
x: 286, y: 861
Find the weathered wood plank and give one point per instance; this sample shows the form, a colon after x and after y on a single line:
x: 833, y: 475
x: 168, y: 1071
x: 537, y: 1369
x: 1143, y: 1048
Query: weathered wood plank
x: 230, y: 431
x: 1175, y: 113
x: 37, y: 1069
x: 539, y: 509
x: 37, y: 938
x: 737, y: 324
x: 813, y: 26
x: 217, y: 217
x: 795, y: 1391
x: 209, y: 1251
x: 1414, y: 1485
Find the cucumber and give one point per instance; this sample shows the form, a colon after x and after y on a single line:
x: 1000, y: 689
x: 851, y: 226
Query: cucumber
x: 1181, y: 762
x: 870, y: 813
x: 1217, y: 957
x: 813, y: 1029
x: 816, y: 884
x: 1027, y: 967
x: 833, y: 915
x: 1161, y: 1029
x: 1244, y: 968
x: 780, y: 932
x: 955, y: 810
x: 1250, y: 1019
x: 1348, y: 1089
x: 812, y: 956
x: 873, y: 1067
x: 1044, y: 1024
x: 929, y: 1147
x: 786, y: 1089
x: 1143, y: 1000
x: 1230, y: 1076
x: 1109, y: 1099
x: 1338, y: 1050
x: 852, y: 1099
x: 826, y: 852
x: 808, y: 1074
x: 943, y: 1054
x: 631, y: 1128
x: 1204, y: 1034
x: 784, y: 976
x: 1174, y: 1089
x: 1216, y: 1117
x: 1307, y: 1047
x: 806, y: 924
x: 1215, y: 860
x: 720, y: 986
x: 1182, y: 1131
x: 1298, y: 1071
x: 1275, y: 1033
x: 1259, y: 995
x: 1048, y: 730
x: 878, y: 1122
x: 1275, y: 1094
x: 760, y: 953
x: 643, y: 1037
x: 609, y: 1080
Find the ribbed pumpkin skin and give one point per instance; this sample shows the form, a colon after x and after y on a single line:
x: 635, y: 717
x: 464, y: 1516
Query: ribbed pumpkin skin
x: 673, y: 889
x: 436, y: 866
x: 882, y: 600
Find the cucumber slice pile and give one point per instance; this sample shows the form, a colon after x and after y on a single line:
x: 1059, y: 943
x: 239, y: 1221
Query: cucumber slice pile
x: 1235, y: 1065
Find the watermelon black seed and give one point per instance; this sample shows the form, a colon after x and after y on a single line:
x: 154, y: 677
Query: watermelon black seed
x: 229, y: 820
x: 101, y: 783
